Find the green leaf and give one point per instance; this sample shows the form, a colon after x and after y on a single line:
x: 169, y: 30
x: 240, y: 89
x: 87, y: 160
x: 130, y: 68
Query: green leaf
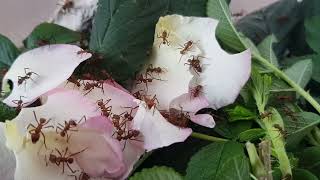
x: 300, y: 72
x: 48, y: 33
x: 251, y: 134
x: 249, y: 44
x: 303, y: 174
x: 8, y: 52
x: 316, y: 69
x: 312, y: 26
x: 157, y: 173
x: 6, y: 112
x: 309, y: 159
x: 218, y: 159
x: 266, y: 49
x: 299, y: 126
x: 232, y: 130
x: 240, y: 113
x: 226, y: 32
x: 123, y: 31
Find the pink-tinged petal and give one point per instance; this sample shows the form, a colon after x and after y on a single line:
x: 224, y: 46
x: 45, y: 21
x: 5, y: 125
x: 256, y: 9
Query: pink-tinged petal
x: 63, y: 105
x: 224, y: 77
x: 7, y: 160
x: 157, y: 131
x: 192, y: 105
x: 120, y: 101
x: 53, y: 64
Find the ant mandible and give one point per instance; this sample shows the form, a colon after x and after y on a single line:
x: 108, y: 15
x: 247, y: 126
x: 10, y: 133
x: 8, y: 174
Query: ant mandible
x: 35, y: 133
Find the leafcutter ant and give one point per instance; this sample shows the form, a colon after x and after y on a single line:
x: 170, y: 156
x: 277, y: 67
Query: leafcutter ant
x: 194, y: 63
x: 176, y: 117
x: 67, y: 5
x: 37, y: 130
x: 196, y: 91
x: 23, y: 79
x: 138, y: 95
x: 283, y: 132
x: 164, y: 36
x: 89, y: 86
x: 73, y: 79
x: 185, y: 48
x: 64, y: 159
x: 150, y: 70
x: 140, y: 79
x: 151, y: 103
x: 266, y: 114
x: 105, y: 111
x: 19, y: 104
x: 285, y: 98
x: 68, y: 127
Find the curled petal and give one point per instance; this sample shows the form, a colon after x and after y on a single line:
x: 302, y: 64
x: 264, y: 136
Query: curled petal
x: 39, y: 70
x: 192, y: 105
x: 157, y: 131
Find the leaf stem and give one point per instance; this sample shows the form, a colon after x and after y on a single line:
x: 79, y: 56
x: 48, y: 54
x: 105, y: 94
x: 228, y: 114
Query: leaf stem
x: 294, y: 85
x: 208, y: 138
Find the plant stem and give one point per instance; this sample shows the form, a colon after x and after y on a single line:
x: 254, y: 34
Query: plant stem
x: 208, y: 138
x: 294, y: 85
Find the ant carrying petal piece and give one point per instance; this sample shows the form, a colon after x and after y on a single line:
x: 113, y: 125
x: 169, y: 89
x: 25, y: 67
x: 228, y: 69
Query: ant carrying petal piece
x: 37, y: 71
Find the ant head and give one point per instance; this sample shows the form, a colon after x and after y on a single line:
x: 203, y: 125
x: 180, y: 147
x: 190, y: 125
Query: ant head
x: 70, y: 160
x: 62, y: 133
x: 35, y: 137
x: 42, y: 120
x: 72, y: 122
x: 20, y: 81
x: 52, y: 158
x: 135, y: 133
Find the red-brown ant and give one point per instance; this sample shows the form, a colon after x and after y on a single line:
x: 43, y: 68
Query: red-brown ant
x: 105, y: 111
x: 266, y: 114
x: 164, y: 36
x: 151, y: 102
x: 35, y: 133
x: 138, y: 95
x: 140, y: 79
x: 19, y: 104
x: 64, y: 159
x: 288, y: 112
x: 194, y: 63
x: 73, y: 79
x: 150, y: 70
x: 67, y: 127
x: 195, y: 92
x: 27, y: 76
x: 82, y: 176
x: 283, y: 132
x: 177, y: 118
x: 285, y: 98
x: 107, y: 76
x: 67, y: 5
x: 89, y: 86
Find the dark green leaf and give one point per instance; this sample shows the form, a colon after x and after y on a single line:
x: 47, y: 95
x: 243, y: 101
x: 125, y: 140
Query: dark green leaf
x: 6, y: 112
x: 240, y: 113
x: 303, y: 174
x: 312, y: 26
x: 226, y: 32
x: 266, y: 49
x: 316, y: 69
x: 213, y: 160
x: 310, y: 159
x: 300, y: 72
x: 123, y: 31
x: 298, y: 126
x: 157, y: 173
x: 232, y: 130
x: 48, y: 33
x: 251, y: 134
x: 8, y: 52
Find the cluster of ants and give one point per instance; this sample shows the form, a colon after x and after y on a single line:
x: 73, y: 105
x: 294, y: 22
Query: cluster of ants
x: 60, y: 158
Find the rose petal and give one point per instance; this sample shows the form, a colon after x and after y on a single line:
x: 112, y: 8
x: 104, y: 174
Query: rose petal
x: 157, y: 131
x: 7, y: 161
x: 192, y: 105
x: 53, y: 65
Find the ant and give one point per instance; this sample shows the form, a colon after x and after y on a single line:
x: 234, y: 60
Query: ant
x: 27, y: 76
x: 19, y: 104
x: 35, y: 133
x: 140, y: 79
x: 89, y: 86
x: 152, y: 69
x: 281, y: 130
x: 195, y: 92
x: 164, y: 36
x: 73, y: 79
x: 67, y: 127
x: 106, y: 111
x: 138, y: 95
x: 195, y: 64
x: 177, y: 118
x: 266, y: 114
x: 285, y: 98
x: 82, y: 176
x: 128, y: 115
x: 185, y: 48
x: 151, y: 102
x: 83, y: 52
x: 108, y: 76
x: 64, y: 159
x: 288, y: 112
x: 67, y: 5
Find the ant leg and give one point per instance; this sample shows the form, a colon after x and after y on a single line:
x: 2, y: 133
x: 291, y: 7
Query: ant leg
x: 75, y: 177
x: 83, y: 117
x: 73, y: 171
x: 31, y: 125
x: 35, y: 117
x: 44, y: 139
x: 78, y: 152
x: 124, y: 146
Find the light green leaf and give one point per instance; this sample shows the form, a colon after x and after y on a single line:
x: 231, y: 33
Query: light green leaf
x: 157, y: 173
x: 299, y: 126
x: 8, y: 52
x: 266, y: 49
x: 251, y: 134
x: 214, y: 160
x: 240, y: 113
x: 48, y: 33
x: 226, y: 32
x: 249, y: 44
x: 300, y: 72
x: 312, y: 27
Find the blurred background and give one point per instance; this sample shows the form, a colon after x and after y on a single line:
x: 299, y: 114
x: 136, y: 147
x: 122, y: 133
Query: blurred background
x: 19, y: 17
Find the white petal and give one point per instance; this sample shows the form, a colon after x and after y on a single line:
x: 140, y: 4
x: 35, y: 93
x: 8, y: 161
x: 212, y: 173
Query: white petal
x: 53, y: 65
x: 7, y: 160
x: 157, y: 131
